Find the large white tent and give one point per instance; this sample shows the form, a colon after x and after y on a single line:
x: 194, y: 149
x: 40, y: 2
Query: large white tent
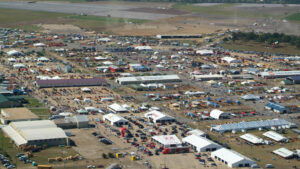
x: 116, y: 108
x: 252, y: 138
x: 232, y: 158
x: 218, y: 114
x: 159, y: 117
x: 284, y: 152
x: 201, y: 144
x: 275, y: 136
x: 115, y: 119
x: 168, y: 140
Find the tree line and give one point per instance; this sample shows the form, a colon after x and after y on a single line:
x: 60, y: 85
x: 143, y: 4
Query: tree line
x: 269, y: 38
x: 219, y: 1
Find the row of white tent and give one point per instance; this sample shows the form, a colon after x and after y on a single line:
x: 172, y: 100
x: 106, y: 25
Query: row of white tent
x: 270, y: 134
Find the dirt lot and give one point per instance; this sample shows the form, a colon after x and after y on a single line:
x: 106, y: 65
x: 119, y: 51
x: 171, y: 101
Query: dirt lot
x: 60, y: 29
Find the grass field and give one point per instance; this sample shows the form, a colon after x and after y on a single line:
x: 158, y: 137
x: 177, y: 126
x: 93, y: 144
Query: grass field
x: 104, y: 20
x: 32, y: 102
x: 294, y: 17
x: 261, y: 47
x: 43, y: 113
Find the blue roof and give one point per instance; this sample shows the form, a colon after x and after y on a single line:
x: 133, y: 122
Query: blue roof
x: 275, y: 106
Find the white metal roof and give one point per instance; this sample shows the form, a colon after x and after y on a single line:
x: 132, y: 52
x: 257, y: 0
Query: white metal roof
x: 283, y: 152
x: 114, y: 118
x: 200, y: 142
x: 230, y: 156
x: 205, y: 52
x: 148, y: 78
x: 167, y: 139
x: 143, y: 48
x: 196, y: 132
x: 23, y: 125
x: 14, y: 135
x: 280, y: 73
x: 275, y: 136
x: 43, y: 133
x: 157, y: 115
x: 252, y: 138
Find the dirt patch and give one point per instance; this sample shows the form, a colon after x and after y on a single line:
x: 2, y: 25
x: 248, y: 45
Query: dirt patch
x: 59, y: 28
x: 159, y: 11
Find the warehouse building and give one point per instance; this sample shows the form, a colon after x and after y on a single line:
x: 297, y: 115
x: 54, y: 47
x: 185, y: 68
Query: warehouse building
x: 148, y: 79
x: 17, y: 114
x: 178, y: 36
x: 207, y: 77
x: 279, y: 74
x: 115, y: 120
x: 201, y: 144
x: 39, y: 132
x: 275, y: 136
x: 232, y: 158
x: 267, y: 124
x: 277, y: 108
x: 138, y: 68
x: 294, y: 79
x: 159, y: 117
x: 50, y: 83
x: 252, y: 139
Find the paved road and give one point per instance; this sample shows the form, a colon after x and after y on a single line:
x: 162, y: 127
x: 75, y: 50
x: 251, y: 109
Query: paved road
x: 121, y: 11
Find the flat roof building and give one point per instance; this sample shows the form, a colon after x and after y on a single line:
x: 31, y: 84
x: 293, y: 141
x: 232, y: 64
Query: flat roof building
x: 279, y: 74
x: 17, y: 114
x: 284, y: 152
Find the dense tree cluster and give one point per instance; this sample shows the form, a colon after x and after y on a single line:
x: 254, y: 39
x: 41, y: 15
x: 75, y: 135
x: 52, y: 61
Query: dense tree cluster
x: 221, y: 1
x: 267, y: 38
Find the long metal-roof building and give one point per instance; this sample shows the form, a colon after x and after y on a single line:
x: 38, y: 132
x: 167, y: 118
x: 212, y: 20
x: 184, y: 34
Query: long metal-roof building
x: 148, y: 79
x: 279, y: 74
x: 39, y: 132
x: 49, y: 83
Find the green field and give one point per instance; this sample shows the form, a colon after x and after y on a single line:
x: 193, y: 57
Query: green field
x: 42, y: 112
x: 261, y: 47
x: 293, y: 17
x: 32, y: 102
x: 28, y: 20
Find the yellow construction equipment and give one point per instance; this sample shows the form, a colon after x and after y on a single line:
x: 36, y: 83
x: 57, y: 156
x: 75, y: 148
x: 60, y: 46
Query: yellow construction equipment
x: 44, y: 167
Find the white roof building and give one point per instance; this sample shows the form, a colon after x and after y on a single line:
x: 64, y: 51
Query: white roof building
x: 168, y: 140
x: 19, y: 65
x: 284, y: 152
x: 145, y: 48
x: 275, y: 136
x: 116, y: 108
x: 252, y: 138
x: 279, y: 74
x: 201, y: 144
x: 159, y: 117
x: 35, y: 133
x: 39, y: 45
x: 14, y: 53
x: 205, y: 52
x: 218, y: 114
x: 115, y: 119
x: 232, y: 158
x: 148, y: 79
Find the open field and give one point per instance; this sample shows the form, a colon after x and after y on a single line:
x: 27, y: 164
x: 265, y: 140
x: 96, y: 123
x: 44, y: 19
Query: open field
x: 261, y: 47
x: 294, y: 17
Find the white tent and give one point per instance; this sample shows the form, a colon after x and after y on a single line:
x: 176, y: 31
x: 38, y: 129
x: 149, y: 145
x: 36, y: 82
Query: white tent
x: 168, y: 140
x: 86, y: 89
x: 283, y: 152
x: 115, y: 119
x: 205, y: 52
x: 252, y: 138
x: 11, y: 60
x: 218, y: 114
x: 19, y: 65
x: 196, y: 132
x: 275, y: 136
x: 230, y: 60
x: 14, y: 53
x: 201, y: 144
x: 116, y: 108
x: 146, y: 48
x: 159, y: 117
x: 43, y: 59
x: 232, y: 158
x: 39, y: 45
